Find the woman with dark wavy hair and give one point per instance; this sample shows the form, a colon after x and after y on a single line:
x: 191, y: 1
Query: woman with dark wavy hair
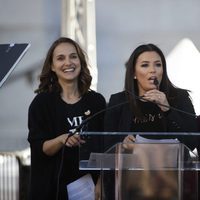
x: 63, y: 101
x: 48, y: 78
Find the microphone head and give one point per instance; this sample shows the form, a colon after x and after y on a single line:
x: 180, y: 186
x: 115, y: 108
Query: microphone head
x: 156, y: 82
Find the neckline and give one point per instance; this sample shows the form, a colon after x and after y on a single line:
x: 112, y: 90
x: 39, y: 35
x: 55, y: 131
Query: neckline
x: 69, y: 103
x: 72, y: 104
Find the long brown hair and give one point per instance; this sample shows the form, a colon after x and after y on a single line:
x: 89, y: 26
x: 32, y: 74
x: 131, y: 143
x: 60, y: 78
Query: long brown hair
x: 48, y: 78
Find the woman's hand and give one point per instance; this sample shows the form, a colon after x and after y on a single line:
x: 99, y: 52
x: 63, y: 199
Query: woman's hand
x: 73, y: 140
x: 158, y: 97
x: 128, y: 142
x: 50, y: 147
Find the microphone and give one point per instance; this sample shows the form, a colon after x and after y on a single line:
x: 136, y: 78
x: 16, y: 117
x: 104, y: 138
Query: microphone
x: 156, y: 83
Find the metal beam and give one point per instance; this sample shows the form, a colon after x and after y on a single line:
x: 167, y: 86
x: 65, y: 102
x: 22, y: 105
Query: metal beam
x: 79, y: 23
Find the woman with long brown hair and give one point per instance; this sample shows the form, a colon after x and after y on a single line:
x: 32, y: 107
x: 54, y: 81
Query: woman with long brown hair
x: 64, y: 99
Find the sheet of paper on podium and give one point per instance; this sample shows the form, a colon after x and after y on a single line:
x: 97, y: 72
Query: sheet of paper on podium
x: 10, y: 55
x: 140, y: 139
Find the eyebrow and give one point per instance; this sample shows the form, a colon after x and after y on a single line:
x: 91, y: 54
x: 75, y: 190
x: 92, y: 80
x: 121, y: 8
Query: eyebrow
x: 58, y: 55
x: 73, y: 53
x: 62, y: 54
x: 148, y: 61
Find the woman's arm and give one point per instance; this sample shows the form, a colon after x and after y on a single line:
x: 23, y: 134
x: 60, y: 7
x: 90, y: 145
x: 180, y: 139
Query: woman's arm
x: 112, y: 115
x: 182, y: 122
x: 51, y: 147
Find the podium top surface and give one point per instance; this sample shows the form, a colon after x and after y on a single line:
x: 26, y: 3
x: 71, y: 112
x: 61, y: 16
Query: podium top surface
x: 87, y: 133
x: 10, y: 55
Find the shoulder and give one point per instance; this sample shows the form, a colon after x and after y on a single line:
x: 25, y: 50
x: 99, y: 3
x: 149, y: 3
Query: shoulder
x: 179, y: 97
x: 42, y: 98
x: 182, y: 94
x: 94, y: 100
x: 94, y: 96
x: 120, y: 96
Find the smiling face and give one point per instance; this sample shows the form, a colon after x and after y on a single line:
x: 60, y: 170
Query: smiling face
x: 66, y: 63
x: 148, y: 68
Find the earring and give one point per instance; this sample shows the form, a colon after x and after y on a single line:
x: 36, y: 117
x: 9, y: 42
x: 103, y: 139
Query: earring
x: 134, y: 77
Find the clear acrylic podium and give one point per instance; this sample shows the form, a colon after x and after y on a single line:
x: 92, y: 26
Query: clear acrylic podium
x: 153, y: 170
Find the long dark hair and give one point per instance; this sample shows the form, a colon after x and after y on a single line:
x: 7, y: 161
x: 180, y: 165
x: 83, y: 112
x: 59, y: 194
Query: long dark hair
x: 131, y: 85
x: 48, y: 78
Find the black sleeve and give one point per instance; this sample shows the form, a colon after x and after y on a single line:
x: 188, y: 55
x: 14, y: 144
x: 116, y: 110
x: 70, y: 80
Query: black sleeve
x: 96, y: 104
x: 112, y: 115
x: 179, y: 121
x: 183, y: 122
x: 38, y: 124
x: 100, y: 105
x: 112, y: 120
x: 41, y: 164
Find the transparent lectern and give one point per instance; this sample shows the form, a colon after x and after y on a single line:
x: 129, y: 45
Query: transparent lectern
x: 147, y: 170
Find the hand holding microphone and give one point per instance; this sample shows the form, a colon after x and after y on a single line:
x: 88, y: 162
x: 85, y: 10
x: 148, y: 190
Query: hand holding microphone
x: 157, y: 96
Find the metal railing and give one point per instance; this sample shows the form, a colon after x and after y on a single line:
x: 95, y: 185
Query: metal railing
x: 14, y: 175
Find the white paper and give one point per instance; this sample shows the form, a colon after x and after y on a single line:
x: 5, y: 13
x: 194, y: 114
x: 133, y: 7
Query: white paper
x: 81, y: 189
x: 140, y: 139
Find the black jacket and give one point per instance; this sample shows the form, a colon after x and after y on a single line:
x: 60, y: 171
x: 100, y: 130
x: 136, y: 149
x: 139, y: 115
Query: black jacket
x: 119, y: 119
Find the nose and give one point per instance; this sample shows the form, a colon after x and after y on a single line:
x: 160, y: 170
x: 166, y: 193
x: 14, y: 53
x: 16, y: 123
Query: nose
x: 67, y: 61
x: 152, y: 68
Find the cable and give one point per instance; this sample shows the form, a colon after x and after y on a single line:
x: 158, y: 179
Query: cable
x: 60, y: 169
